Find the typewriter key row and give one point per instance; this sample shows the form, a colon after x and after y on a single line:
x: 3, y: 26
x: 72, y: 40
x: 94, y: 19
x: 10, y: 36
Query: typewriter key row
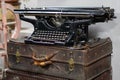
x: 39, y: 32
x: 50, y: 35
x: 49, y: 38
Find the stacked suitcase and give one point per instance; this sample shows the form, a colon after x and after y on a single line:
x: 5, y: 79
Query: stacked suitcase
x: 41, y: 62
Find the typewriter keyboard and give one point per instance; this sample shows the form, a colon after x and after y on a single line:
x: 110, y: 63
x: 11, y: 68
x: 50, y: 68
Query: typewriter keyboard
x: 52, y: 37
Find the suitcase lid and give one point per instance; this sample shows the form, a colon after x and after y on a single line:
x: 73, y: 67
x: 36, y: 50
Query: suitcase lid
x: 85, y: 55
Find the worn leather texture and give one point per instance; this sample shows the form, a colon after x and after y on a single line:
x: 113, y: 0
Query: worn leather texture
x: 21, y: 75
x: 60, y: 61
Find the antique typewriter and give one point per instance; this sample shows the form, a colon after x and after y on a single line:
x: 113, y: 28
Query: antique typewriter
x: 63, y: 25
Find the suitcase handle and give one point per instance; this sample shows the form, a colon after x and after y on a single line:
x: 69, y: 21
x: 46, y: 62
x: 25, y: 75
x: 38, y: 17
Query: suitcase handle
x: 43, y: 60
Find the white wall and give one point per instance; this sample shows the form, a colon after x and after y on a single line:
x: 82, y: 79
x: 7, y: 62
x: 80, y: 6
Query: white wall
x: 110, y: 29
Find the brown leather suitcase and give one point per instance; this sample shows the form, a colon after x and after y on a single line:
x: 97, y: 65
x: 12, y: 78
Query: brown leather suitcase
x: 68, y: 62
x: 107, y: 75
x: 21, y: 75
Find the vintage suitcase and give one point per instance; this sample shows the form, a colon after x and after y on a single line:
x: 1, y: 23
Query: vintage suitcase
x: 67, y: 62
x: 21, y: 75
x: 107, y: 75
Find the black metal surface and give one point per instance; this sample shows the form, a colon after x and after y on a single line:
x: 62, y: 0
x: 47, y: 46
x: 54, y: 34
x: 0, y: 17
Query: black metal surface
x: 52, y: 23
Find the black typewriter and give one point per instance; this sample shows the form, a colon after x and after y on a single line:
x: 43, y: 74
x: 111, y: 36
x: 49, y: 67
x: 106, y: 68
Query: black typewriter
x: 63, y: 25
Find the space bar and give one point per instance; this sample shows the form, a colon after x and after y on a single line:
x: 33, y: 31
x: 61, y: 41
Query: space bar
x: 45, y: 40
x: 42, y: 42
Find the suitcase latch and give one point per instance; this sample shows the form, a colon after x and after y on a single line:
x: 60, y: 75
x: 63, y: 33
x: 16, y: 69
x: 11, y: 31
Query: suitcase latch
x: 71, y: 62
x: 17, y: 56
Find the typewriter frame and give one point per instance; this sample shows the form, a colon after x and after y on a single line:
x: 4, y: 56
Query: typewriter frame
x: 78, y: 18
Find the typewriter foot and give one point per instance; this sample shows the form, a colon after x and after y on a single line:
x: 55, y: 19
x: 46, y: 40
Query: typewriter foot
x: 82, y: 42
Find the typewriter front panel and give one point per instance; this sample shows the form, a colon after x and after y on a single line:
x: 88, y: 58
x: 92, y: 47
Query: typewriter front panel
x: 60, y: 31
